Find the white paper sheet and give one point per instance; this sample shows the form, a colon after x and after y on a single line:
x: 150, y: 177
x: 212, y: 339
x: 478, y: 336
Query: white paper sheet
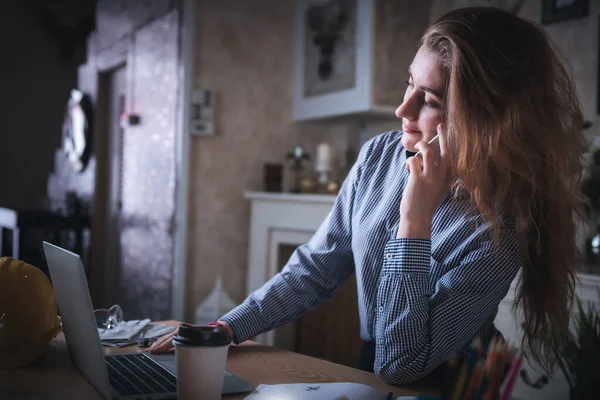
x: 319, y: 391
x: 127, y: 333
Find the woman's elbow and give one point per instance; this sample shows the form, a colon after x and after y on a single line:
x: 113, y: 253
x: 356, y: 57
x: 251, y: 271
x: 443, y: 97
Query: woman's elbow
x: 393, y: 375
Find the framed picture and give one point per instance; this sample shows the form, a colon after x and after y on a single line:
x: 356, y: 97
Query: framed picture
x: 342, y: 60
x: 562, y: 10
x: 331, y: 47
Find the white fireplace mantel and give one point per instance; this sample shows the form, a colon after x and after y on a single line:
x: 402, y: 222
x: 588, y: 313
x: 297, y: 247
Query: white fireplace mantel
x: 281, y: 216
x: 291, y: 197
x: 279, y: 219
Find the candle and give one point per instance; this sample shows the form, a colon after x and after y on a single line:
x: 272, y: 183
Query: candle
x: 324, y: 158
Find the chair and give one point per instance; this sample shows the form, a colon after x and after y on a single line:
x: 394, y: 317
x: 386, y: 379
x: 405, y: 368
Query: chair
x: 8, y: 220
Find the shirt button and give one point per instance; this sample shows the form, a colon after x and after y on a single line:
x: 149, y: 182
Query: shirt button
x: 389, y: 256
x: 380, y: 308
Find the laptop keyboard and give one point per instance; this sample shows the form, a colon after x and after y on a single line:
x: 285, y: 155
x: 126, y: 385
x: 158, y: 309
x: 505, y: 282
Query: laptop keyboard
x: 135, y: 374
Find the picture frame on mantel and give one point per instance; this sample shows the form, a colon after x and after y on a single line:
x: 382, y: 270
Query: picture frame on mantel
x: 346, y: 57
x: 562, y: 10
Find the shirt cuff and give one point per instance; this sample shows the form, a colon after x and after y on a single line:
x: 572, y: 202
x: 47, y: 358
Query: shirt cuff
x: 244, y: 322
x: 407, y: 255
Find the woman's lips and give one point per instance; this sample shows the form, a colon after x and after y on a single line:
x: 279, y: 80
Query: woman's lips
x: 408, y: 130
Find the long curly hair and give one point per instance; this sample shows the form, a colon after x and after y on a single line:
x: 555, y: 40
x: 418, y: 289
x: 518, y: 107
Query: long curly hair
x: 515, y: 144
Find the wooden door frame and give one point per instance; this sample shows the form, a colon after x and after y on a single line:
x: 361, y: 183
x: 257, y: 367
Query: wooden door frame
x: 113, y: 183
x: 187, y: 40
x: 101, y: 273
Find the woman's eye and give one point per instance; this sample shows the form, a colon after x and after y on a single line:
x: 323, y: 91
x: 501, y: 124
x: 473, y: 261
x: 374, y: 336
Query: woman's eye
x: 431, y: 104
x: 408, y: 83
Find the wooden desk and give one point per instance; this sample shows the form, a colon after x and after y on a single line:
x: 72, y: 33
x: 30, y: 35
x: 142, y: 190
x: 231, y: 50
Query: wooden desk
x: 53, y: 376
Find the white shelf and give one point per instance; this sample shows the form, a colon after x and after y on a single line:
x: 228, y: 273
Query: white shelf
x: 291, y: 197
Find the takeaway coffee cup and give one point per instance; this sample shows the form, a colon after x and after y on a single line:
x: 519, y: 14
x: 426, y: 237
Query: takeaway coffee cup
x: 201, y: 354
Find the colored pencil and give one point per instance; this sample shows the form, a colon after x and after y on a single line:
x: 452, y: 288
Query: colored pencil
x: 474, y: 381
x: 483, y: 386
x: 481, y: 375
x: 511, y: 378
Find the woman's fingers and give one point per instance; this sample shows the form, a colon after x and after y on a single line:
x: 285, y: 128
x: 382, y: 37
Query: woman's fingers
x: 441, y: 130
x: 164, y: 344
x: 430, y: 159
x: 161, y: 347
x: 414, y: 164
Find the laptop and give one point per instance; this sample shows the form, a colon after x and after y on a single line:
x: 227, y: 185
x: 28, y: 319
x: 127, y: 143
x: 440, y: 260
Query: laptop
x: 120, y: 376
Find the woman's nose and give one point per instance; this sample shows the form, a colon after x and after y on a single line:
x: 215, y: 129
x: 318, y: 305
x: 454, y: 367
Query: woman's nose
x: 408, y: 109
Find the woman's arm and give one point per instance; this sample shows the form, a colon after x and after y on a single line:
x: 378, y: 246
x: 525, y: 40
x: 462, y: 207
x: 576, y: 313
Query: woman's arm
x: 420, y: 324
x: 311, y: 275
x: 313, y: 272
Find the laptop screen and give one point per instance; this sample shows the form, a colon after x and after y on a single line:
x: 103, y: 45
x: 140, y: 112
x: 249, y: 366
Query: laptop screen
x: 77, y: 315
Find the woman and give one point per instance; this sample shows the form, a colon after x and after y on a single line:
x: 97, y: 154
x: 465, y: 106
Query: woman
x: 436, y: 240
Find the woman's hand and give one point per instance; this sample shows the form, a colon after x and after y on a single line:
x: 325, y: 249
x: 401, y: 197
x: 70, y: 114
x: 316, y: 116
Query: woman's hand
x: 165, y: 343
x: 428, y: 184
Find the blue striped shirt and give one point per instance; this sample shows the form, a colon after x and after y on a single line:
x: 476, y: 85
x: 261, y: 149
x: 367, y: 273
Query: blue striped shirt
x: 420, y: 301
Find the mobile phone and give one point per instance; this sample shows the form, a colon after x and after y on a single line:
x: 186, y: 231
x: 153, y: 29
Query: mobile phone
x: 432, y: 141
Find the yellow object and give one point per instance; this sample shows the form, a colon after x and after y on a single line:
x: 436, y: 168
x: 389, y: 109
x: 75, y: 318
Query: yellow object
x: 28, y: 313
x: 333, y: 187
x: 307, y: 185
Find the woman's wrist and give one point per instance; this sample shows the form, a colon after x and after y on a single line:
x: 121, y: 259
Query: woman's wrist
x: 414, y: 228
x: 226, y: 326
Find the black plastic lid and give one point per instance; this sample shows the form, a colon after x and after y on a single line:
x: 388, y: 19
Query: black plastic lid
x: 192, y: 335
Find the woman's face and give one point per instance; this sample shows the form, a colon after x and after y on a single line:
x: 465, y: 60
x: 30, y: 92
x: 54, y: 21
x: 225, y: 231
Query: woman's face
x: 422, y: 109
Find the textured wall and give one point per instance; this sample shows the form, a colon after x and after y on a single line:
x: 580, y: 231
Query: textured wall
x: 145, y: 35
x: 149, y: 173
x: 118, y: 18
x: 399, y: 26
